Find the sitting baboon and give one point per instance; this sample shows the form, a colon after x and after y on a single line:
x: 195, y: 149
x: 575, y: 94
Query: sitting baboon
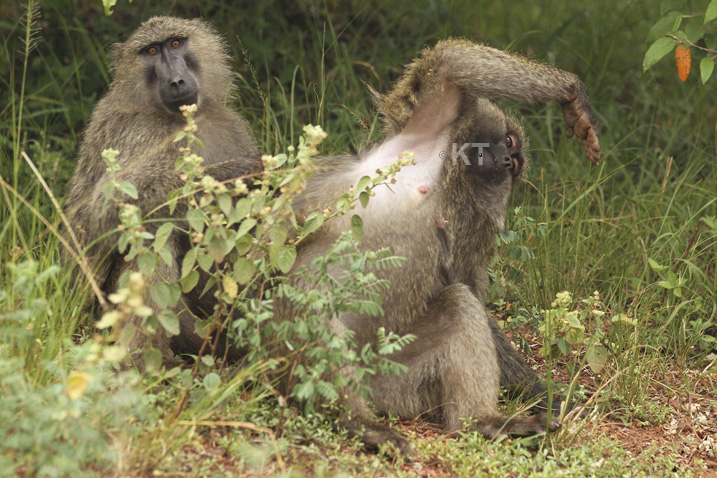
x: 443, y: 214
x: 166, y: 63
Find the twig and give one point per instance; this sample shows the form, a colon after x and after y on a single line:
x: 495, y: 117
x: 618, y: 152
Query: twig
x: 670, y: 35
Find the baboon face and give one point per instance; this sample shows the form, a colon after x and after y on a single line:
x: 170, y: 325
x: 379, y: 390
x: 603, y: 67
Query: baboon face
x: 171, y: 69
x: 169, y: 62
x: 494, y: 144
x: 496, y: 156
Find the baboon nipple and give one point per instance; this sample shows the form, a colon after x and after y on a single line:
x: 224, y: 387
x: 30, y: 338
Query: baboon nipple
x: 424, y: 188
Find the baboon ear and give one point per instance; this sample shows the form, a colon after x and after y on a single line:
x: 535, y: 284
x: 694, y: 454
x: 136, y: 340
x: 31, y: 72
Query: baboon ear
x: 115, y: 54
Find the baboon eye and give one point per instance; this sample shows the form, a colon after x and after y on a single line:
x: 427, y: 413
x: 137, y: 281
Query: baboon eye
x: 152, y: 50
x: 511, y: 140
x: 175, y: 43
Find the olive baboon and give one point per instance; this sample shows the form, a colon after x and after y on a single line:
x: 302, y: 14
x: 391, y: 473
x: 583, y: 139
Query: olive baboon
x: 442, y: 215
x: 167, y: 62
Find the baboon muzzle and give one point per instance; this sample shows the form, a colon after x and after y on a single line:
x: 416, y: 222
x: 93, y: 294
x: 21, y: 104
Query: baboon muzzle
x: 177, y: 84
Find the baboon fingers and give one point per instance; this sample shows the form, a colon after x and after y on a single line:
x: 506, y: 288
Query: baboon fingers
x: 592, y: 146
x: 579, y: 122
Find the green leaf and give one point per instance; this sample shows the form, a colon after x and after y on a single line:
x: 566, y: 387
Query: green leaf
x: 681, y: 35
x: 597, y: 357
x: 127, y: 333
x: 170, y: 322
x: 246, y: 226
x: 162, y: 234
x: 244, y: 270
x: 108, y: 4
x: 190, y: 258
x: 196, y: 219
x: 129, y: 189
x: 624, y: 319
x: 172, y: 199
x: 243, y: 244
x: 661, y: 47
x: 287, y: 257
x: 146, y: 261
x: 574, y: 321
x: 363, y: 183
x: 166, y: 254
x: 364, y: 198
x: 563, y: 347
x: 655, y: 266
x: 189, y: 282
x: 304, y: 391
x: 666, y: 284
x: 225, y: 204
x: 711, y: 42
x: 241, y: 210
x: 277, y: 234
x: 694, y: 29
x: 711, y: 12
x: 218, y: 248
x: 357, y: 227
x: 205, y: 261
x: 343, y: 204
x: 667, y: 5
x: 668, y: 23
x: 711, y: 222
x: 211, y: 382
x: 313, y: 222
x: 164, y: 294
x: 152, y: 359
x: 274, y: 255
x: 707, y: 66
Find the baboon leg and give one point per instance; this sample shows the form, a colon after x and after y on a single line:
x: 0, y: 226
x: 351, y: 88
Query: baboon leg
x: 515, y: 375
x: 453, y: 370
x: 358, y: 419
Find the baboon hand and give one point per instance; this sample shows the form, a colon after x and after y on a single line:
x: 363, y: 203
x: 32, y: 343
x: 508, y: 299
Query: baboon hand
x: 579, y: 121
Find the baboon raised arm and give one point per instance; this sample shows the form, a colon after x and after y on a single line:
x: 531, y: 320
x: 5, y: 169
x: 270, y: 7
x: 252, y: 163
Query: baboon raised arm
x: 483, y: 72
x: 442, y: 215
x: 166, y: 63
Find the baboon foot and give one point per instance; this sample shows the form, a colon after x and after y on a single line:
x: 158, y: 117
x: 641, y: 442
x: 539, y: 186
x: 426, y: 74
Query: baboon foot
x: 518, y: 426
x: 375, y: 434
